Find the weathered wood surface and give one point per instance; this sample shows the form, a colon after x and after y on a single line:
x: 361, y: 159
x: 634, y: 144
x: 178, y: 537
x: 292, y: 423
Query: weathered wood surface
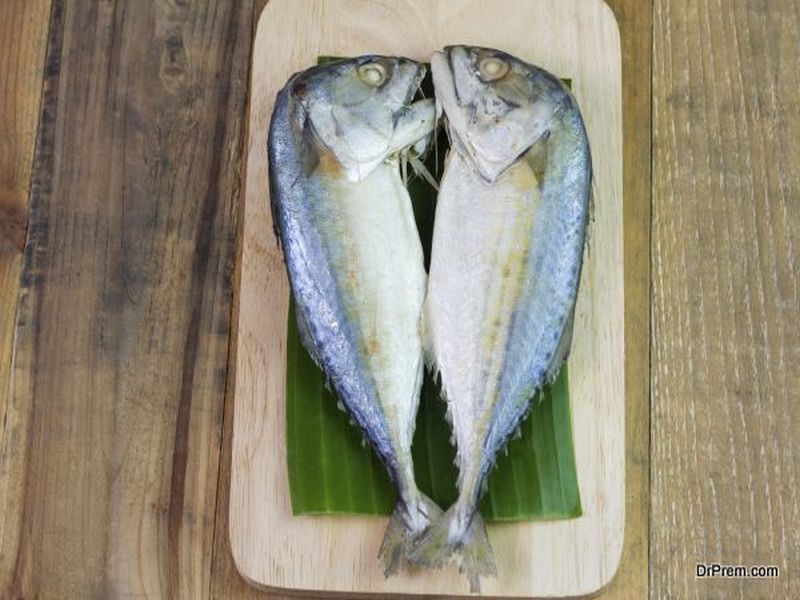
x: 726, y: 336
x: 23, y: 40
x: 635, y: 25
x: 122, y: 333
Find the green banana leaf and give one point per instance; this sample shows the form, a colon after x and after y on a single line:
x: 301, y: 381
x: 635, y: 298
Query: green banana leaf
x: 332, y: 471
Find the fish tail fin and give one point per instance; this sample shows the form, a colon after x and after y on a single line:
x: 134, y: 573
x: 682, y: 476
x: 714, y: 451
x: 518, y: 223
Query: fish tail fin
x: 395, y: 540
x: 429, y: 512
x: 400, y: 535
x: 450, y: 540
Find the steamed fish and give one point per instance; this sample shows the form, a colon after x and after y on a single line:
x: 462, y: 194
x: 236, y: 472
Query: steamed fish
x: 506, y: 260
x: 353, y: 253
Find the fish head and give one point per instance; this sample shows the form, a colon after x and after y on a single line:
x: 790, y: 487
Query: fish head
x: 362, y: 110
x: 497, y: 106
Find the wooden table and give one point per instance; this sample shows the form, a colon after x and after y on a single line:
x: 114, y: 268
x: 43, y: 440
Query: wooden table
x: 122, y: 130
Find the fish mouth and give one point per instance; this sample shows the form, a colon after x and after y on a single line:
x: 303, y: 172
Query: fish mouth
x: 442, y: 70
x: 446, y: 97
x: 456, y: 70
x: 414, y: 89
x: 454, y: 77
x: 413, y: 95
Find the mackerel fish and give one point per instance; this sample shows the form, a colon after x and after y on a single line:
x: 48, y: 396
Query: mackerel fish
x: 509, y: 232
x: 355, y: 262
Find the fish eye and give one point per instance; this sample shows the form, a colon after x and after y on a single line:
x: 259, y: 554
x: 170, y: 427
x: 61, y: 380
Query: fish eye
x: 492, y: 68
x: 372, y: 74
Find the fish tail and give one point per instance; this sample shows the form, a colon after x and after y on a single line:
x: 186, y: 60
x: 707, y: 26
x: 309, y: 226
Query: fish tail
x: 395, y: 539
x: 452, y: 538
x: 403, y: 528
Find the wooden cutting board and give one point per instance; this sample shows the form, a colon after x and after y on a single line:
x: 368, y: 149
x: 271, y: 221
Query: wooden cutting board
x: 575, y: 39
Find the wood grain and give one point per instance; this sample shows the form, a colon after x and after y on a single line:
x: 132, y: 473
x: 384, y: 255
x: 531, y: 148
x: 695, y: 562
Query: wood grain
x: 226, y: 581
x: 635, y: 24
x: 726, y: 338
x: 275, y: 549
x: 23, y: 41
x: 122, y: 335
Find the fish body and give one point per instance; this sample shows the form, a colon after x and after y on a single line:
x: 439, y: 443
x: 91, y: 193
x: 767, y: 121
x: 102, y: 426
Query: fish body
x: 506, y: 258
x: 353, y: 253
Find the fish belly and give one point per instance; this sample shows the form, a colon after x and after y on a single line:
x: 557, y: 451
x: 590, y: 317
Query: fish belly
x: 375, y: 256
x: 505, y: 266
x: 481, y: 245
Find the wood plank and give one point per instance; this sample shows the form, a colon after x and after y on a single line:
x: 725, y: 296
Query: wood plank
x: 726, y: 337
x: 226, y: 581
x: 122, y: 336
x: 23, y: 42
x: 636, y: 30
x: 548, y: 558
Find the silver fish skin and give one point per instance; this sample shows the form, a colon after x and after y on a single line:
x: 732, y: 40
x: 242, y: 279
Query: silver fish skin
x: 353, y: 254
x: 508, y: 242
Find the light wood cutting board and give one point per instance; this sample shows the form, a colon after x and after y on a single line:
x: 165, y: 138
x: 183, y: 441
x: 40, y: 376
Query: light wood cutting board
x: 575, y: 39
